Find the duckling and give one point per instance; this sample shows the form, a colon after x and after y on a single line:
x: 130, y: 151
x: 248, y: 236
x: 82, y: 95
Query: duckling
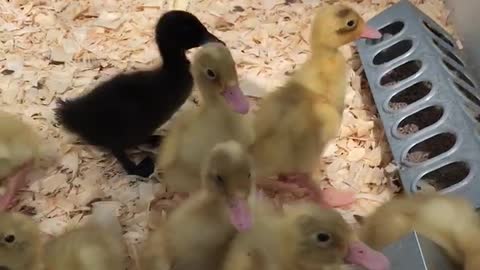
x: 301, y: 237
x: 20, y: 243
x: 449, y: 221
x: 196, y: 234
x: 125, y: 111
x: 221, y: 117
x: 19, y: 149
x: 295, y: 122
x: 97, y: 245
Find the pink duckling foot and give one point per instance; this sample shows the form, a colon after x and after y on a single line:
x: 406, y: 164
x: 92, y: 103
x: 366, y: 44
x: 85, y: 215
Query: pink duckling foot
x: 336, y: 198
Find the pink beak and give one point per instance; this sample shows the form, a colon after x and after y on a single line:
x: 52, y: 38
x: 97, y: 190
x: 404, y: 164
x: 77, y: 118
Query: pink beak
x: 240, y: 216
x: 236, y: 99
x: 370, y: 33
x: 362, y: 255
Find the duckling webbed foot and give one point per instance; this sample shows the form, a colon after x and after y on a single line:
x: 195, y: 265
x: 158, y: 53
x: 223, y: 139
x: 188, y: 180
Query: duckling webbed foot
x: 168, y: 201
x: 13, y: 184
x: 275, y: 185
x: 144, y: 169
x: 329, y: 197
x: 336, y: 198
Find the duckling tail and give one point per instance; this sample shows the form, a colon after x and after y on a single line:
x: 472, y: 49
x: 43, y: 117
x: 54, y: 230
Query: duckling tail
x: 60, y: 111
x: 67, y: 115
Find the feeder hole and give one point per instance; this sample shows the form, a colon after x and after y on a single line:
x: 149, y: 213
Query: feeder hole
x: 410, y: 95
x: 420, y: 120
x: 431, y: 147
x: 448, y: 53
x: 401, y: 73
x: 466, y: 93
x: 445, y: 176
x: 457, y: 73
x: 438, y: 34
x: 396, y: 50
x: 393, y: 28
x: 387, y: 32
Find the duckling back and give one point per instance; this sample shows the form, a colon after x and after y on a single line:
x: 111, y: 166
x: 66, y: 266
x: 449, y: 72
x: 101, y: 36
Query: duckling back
x: 86, y: 248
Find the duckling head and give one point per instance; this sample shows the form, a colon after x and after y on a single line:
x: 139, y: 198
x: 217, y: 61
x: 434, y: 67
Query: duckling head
x: 181, y: 30
x: 325, y: 238
x: 214, y: 72
x: 19, y: 241
x: 228, y: 173
x: 337, y: 25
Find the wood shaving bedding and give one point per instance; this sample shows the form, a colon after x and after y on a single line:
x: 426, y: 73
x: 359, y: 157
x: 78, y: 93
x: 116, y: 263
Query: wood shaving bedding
x: 61, y: 48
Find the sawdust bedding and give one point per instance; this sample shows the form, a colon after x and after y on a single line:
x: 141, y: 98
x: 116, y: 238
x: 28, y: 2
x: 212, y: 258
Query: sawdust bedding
x: 61, y: 48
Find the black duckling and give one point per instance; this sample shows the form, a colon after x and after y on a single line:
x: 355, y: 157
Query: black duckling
x: 125, y: 111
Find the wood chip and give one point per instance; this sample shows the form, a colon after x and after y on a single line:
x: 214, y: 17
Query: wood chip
x: 111, y: 20
x: 356, y: 154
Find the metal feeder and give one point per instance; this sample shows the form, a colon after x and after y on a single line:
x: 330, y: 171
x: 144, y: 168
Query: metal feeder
x: 427, y: 100
x: 417, y: 253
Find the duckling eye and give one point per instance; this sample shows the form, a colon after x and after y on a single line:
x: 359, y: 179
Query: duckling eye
x: 219, y: 180
x: 351, y: 23
x: 210, y: 74
x: 323, y: 239
x: 249, y: 175
x: 9, y: 238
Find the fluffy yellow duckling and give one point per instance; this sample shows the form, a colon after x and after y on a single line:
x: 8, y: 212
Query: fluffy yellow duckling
x: 219, y: 118
x: 296, y: 121
x: 304, y: 237
x: 198, y: 232
x: 20, y: 243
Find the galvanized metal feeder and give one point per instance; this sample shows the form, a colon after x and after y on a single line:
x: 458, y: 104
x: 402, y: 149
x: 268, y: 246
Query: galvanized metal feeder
x: 427, y: 100
x: 429, y: 105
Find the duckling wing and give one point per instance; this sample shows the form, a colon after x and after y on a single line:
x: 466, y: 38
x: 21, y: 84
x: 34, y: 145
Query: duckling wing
x: 269, y: 116
x: 171, y: 143
x: 329, y: 121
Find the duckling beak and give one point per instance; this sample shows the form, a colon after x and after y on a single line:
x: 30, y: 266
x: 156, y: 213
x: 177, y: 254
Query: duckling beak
x: 370, y: 33
x: 236, y: 99
x: 209, y: 37
x: 362, y: 255
x: 239, y: 213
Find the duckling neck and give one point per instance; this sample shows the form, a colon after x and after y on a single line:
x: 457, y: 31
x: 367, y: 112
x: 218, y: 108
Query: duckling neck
x: 324, y: 74
x: 322, y: 53
x: 211, y: 99
x: 174, y: 57
x: 217, y: 207
x: 319, y: 49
